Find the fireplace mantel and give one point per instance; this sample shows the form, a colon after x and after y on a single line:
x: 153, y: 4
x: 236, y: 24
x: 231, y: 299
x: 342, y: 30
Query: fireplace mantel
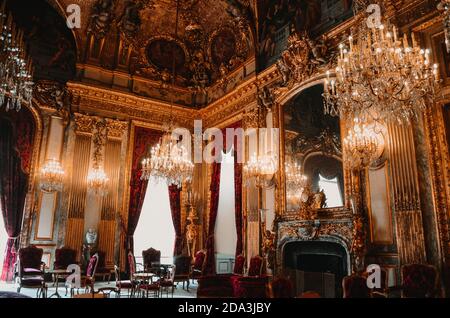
x: 337, y: 230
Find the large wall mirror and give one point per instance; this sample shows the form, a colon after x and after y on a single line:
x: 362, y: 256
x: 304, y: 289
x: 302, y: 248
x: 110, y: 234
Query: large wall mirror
x: 313, y: 142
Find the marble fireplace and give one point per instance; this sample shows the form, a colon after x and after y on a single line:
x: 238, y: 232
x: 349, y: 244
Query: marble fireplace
x: 315, y: 254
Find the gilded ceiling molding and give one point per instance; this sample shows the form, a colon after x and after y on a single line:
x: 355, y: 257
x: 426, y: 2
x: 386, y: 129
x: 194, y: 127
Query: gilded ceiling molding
x: 118, y: 104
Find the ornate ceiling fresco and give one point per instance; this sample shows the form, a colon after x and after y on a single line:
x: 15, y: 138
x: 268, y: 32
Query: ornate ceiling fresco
x: 213, y: 39
x: 50, y: 42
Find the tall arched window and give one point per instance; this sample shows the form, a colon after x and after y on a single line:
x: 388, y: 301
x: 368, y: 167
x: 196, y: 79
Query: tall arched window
x: 332, y: 191
x: 225, y: 232
x: 155, y: 228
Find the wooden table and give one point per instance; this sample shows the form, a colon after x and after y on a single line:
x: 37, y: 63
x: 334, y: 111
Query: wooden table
x: 57, y: 273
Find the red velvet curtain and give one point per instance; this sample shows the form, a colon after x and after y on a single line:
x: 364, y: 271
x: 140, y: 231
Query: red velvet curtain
x: 210, y: 262
x: 144, y: 139
x: 210, y: 265
x: 238, y: 204
x: 16, y: 149
x: 175, y: 208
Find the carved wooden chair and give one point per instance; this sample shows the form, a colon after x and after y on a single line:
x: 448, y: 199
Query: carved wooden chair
x: 167, y: 283
x: 419, y: 281
x: 88, y: 280
x: 183, y: 269
x: 128, y: 285
x: 199, y: 263
x: 31, y: 270
x: 355, y: 286
x: 151, y: 259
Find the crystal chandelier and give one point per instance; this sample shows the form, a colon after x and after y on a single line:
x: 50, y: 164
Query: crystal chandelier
x: 97, y: 179
x: 260, y: 169
x: 296, y: 182
x: 295, y: 179
x: 52, y: 176
x: 444, y: 7
x: 381, y: 77
x: 169, y: 160
x: 362, y: 145
x: 16, y: 86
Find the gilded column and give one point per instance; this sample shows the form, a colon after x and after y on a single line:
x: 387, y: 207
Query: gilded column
x: 408, y: 213
x: 110, y: 202
x: 78, y: 190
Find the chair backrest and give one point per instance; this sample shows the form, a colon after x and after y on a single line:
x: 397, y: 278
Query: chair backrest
x: 282, y: 288
x: 239, y: 265
x: 419, y: 280
x: 355, y: 286
x: 171, y: 270
x: 64, y: 257
x: 117, y: 275
x: 131, y: 264
x: 101, y: 259
x: 199, y: 260
x: 183, y: 264
x: 150, y: 257
x: 256, y: 264
x: 92, y: 265
x: 30, y: 257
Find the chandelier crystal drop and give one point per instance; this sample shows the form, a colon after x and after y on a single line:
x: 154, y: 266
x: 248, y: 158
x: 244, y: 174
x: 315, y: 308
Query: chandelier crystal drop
x: 362, y: 145
x: 16, y: 85
x: 52, y: 176
x: 381, y: 77
x: 170, y: 161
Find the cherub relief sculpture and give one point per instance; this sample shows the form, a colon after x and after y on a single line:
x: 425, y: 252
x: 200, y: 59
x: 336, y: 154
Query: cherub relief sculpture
x: 101, y: 18
x: 265, y: 98
x: 302, y: 58
x: 130, y: 21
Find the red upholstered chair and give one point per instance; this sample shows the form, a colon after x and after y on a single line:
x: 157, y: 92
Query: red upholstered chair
x: 256, y: 266
x: 183, y: 269
x: 197, y: 267
x: 239, y: 265
x: 167, y: 282
x: 102, y: 271
x: 214, y: 286
x: 128, y: 285
x: 254, y: 285
x: 355, y: 286
x: 32, y: 270
x: 64, y: 257
x: 282, y: 288
x: 88, y: 280
x: 419, y: 281
x: 151, y: 257
x: 383, y: 291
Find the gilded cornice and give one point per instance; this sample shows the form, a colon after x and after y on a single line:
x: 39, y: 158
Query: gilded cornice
x: 112, y: 103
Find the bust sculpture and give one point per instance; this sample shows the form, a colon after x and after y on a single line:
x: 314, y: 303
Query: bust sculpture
x: 91, y: 236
